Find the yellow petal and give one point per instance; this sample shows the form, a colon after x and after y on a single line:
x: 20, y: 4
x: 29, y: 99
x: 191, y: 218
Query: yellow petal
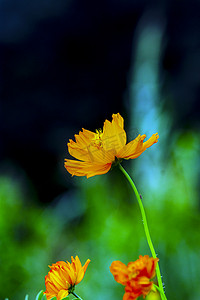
x: 117, y: 118
x: 80, y: 148
x: 81, y: 272
x: 114, y: 136
x: 132, y: 149
x: 136, y: 147
x: 71, y: 273
x: 78, y: 152
x: 80, y: 168
x: 76, y: 264
x: 62, y: 294
x: 51, y: 287
x: 84, y: 137
x: 152, y: 140
x: 90, y: 152
x: 86, y: 265
x: 49, y: 295
x: 55, y: 278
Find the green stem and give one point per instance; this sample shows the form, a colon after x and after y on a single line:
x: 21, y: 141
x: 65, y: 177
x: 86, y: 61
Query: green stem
x: 161, y: 292
x: 73, y: 293
x: 146, y: 229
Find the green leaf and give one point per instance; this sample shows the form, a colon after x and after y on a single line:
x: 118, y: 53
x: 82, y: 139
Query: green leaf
x: 67, y: 298
x: 54, y: 298
x: 39, y: 295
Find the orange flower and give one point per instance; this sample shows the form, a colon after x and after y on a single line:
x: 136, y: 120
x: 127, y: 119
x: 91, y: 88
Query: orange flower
x: 96, y: 151
x: 63, y: 277
x: 135, y: 276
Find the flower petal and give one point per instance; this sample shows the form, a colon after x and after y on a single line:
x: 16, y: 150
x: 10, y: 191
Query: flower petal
x: 152, y: 140
x: 133, y: 148
x: 131, y: 293
x: 86, y: 265
x: 118, y: 120
x: 62, y: 294
x: 114, y: 135
x: 81, y: 272
x: 136, y: 276
x: 89, y: 152
x: 120, y: 272
x: 55, y: 278
x: 62, y: 277
x: 79, y: 149
x: 88, y: 169
x: 84, y: 137
x: 136, y: 147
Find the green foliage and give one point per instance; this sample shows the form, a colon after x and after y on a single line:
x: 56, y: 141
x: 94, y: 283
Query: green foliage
x: 42, y: 296
x: 28, y: 240
x: 100, y: 220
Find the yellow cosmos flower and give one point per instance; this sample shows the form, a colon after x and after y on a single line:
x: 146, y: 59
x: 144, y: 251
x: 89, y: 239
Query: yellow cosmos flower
x: 97, y: 151
x: 63, y: 277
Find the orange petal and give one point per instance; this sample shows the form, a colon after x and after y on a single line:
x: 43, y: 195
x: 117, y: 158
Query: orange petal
x: 81, y: 168
x: 131, y: 293
x: 120, y: 272
x: 145, y: 266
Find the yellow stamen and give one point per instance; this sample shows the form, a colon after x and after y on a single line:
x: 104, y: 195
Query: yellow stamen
x: 97, y: 140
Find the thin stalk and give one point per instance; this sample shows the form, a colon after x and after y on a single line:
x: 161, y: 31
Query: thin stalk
x: 73, y: 293
x: 161, y: 292
x: 146, y: 229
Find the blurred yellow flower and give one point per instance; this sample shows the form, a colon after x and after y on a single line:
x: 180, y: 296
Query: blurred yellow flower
x: 63, y: 277
x: 136, y: 276
x: 97, y: 151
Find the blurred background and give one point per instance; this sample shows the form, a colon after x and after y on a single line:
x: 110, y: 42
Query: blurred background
x: 69, y: 64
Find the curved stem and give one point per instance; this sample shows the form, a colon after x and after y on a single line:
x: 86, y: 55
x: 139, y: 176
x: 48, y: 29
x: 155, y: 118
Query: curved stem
x: 146, y: 229
x: 161, y: 292
x: 73, y: 293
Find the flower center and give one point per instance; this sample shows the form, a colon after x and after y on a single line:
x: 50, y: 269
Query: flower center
x: 71, y: 289
x: 97, y: 140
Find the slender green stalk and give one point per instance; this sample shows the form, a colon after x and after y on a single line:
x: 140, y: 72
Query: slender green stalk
x: 161, y: 292
x: 73, y: 293
x: 146, y: 229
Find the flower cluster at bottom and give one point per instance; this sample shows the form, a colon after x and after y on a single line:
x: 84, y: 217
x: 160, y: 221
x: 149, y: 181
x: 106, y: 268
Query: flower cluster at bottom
x: 63, y: 277
x: 135, y: 276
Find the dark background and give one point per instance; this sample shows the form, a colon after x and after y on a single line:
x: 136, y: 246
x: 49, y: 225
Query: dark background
x: 64, y: 66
